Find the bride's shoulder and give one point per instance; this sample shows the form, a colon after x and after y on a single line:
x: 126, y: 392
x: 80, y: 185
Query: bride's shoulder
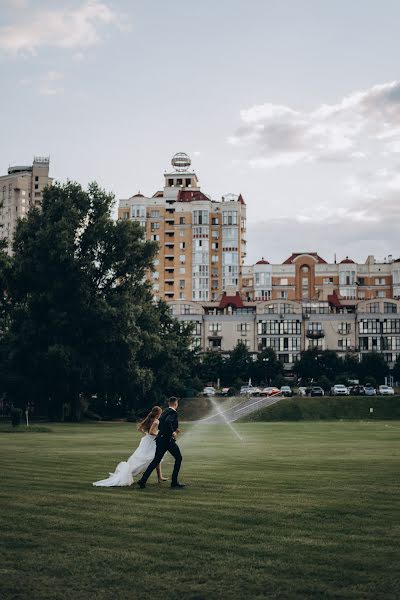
x: 156, y: 421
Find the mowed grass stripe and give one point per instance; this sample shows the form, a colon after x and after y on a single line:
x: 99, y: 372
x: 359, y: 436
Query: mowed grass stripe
x: 298, y: 510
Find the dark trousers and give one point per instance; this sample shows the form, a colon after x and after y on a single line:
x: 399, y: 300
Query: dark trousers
x: 162, y: 447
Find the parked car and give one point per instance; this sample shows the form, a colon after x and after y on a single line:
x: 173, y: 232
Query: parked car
x: 370, y: 390
x: 270, y: 391
x: 339, y: 390
x: 209, y: 391
x: 385, y: 390
x: 316, y: 390
x: 357, y: 390
x: 287, y: 391
x: 249, y: 390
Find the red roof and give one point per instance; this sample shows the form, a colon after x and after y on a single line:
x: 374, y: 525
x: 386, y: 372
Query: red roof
x: 295, y: 255
x: 334, y: 300
x: 241, y: 200
x: 262, y: 262
x: 158, y: 195
x: 189, y: 195
x: 347, y: 260
x: 235, y: 301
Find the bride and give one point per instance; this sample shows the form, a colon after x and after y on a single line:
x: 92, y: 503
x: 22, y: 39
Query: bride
x: 141, y: 458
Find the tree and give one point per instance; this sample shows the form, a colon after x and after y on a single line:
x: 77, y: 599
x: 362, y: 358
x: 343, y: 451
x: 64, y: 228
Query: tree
x: 373, y: 365
x: 267, y: 367
x: 77, y: 290
x: 396, y: 369
x: 315, y: 363
x: 238, y: 365
x: 212, y: 367
x: 351, y: 366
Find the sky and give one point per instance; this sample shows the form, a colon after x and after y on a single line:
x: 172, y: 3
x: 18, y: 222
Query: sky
x: 293, y: 103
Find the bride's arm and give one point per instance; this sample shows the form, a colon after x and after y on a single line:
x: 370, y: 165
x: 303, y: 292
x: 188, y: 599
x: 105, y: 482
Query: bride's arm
x: 154, y: 427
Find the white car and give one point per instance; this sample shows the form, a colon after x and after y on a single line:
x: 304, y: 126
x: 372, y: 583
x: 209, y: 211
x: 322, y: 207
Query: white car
x: 339, y: 390
x: 385, y: 390
x: 209, y: 391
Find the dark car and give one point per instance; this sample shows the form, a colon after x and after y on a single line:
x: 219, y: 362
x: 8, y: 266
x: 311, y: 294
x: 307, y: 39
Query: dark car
x: 357, y: 390
x: 316, y: 391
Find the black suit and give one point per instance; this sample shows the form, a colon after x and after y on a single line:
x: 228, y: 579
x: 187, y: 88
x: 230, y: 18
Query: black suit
x: 165, y: 442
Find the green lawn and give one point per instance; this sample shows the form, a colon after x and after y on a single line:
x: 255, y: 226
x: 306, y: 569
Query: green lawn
x: 296, y: 510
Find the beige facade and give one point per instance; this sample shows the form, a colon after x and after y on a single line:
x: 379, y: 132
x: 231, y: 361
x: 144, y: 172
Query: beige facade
x: 290, y: 327
x: 21, y: 189
x: 201, y: 240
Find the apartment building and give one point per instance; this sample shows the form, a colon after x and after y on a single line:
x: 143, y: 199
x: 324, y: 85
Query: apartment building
x: 21, y: 189
x: 201, y: 240
x: 290, y: 327
x: 307, y: 276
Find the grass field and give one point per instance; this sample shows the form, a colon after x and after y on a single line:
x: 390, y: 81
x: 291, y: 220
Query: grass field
x: 296, y: 510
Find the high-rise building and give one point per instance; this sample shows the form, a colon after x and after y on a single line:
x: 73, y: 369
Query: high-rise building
x: 201, y: 240
x: 21, y: 189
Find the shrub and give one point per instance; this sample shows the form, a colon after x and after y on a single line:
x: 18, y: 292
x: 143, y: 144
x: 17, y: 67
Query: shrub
x: 16, y: 415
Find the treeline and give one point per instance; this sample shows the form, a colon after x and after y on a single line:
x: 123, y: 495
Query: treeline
x: 79, y: 330
x: 321, y: 367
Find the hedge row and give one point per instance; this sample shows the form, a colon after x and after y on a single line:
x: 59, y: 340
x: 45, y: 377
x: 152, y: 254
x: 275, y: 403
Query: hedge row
x: 349, y: 407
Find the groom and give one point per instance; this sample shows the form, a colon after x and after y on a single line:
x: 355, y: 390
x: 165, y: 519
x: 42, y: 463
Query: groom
x: 166, y: 441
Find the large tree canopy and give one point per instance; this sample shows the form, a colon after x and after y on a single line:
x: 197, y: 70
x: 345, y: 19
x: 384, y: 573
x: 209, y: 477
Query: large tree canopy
x: 81, y: 318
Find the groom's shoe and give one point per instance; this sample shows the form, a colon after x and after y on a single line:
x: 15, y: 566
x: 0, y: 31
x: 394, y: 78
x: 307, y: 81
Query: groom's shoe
x: 141, y: 484
x: 177, y: 486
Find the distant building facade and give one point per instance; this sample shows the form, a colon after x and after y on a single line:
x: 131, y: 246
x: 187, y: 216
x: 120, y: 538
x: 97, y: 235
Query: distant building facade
x: 303, y: 303
x: 201, y: 240
x: 21, y: 189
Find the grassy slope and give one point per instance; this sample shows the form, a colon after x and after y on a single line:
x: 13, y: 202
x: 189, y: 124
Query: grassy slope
x: 298, y: 510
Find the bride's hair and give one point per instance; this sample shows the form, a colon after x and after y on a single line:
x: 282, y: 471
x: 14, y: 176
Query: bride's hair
x: 144, y: 426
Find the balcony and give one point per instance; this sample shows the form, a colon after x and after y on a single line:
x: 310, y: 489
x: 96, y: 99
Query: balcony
x: 169, y: 232
x: 169, y: 244
x: 315, y: 334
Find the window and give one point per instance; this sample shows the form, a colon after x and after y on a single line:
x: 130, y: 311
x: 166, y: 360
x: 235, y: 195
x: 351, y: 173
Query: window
x: 155, y: 214
x: 328, y: 280
x: 138, y: 211
x: 391, y: 326
x: 156, y: 287
x: 182, y: 233
x: 348, y: 293
x: 380, y: 281
x: 36, y: 186
x: 200, y: 217
x: 283, y: 281
x: 182, y: 245
x: 214, y: 246
x: 372, y: 307
x: 370, y: 326
x: 389, y: 307
x: 214, y: 258
x: 344, y: 343
x: 214, y: 221
x: 263, y: 279
x: 182, y: 296
x: 229, y: 217
x: 182, y: 258
x: 181, y: 220
x: 214, y: 327
x: 182, y: 270
x: 170, y: 182
x: 215, y: 344
x: 36, y: 178
x: 215, y: 234
x: 182, y: 284
x: 243, y: 327
x: 154, y: 226
x: 279, y: 327
x: 188, y: 182
x: 347, y: 277
x: 155, y: 275
x: 381, y: 294
x: 156, y: 261
x: 283, y: 295
x: 344, y: 328
x: 155, y: 238
x: 179, y: 181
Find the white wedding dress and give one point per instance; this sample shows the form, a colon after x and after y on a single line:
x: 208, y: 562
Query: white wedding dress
x: 136, y: 463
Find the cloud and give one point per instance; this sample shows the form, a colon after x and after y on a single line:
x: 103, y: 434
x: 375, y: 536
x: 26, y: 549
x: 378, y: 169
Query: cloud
x: 363, y: 228
x: 50, y: 84
x: 358, y: 127
x: 59, y: 28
